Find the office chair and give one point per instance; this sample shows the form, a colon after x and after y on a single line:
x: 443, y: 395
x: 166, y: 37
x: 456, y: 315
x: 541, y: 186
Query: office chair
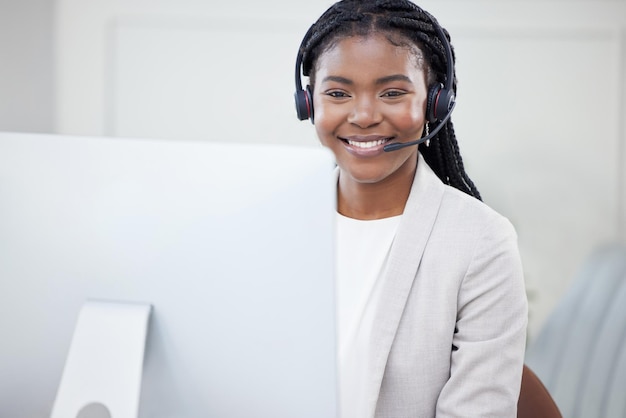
x: 534, y: 399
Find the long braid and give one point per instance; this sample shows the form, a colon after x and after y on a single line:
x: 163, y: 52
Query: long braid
x: 402, y: 21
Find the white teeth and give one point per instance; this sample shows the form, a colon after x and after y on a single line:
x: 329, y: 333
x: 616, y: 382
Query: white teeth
x: 368, y: 144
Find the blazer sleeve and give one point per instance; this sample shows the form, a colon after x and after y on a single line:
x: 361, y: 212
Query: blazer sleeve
x: 489, y: 341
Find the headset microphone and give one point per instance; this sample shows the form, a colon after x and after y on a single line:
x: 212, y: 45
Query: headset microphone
x: 399, y: 145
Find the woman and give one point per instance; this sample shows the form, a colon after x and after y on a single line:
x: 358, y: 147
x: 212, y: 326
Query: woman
x: 431, y: 301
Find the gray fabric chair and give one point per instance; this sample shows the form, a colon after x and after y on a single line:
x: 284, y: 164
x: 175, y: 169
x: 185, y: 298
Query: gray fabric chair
x: 580, y: 353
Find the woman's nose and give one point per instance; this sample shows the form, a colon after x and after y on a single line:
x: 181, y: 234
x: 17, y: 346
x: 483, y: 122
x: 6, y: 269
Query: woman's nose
x: 365, y: 112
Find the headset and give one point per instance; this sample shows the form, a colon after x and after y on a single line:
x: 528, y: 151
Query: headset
x: 440, y: 100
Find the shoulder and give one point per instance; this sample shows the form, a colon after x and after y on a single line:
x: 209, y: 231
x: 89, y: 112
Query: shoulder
x: 463, y: 215
x: 468, y: 213
x: 467, y: 232
x: 454, y: 224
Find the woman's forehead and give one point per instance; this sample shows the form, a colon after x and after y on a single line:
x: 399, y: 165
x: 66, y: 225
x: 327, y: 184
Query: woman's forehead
x: 371, y: 50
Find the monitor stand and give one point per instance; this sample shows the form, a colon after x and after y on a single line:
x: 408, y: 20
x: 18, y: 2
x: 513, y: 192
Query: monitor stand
x: 102, y: 374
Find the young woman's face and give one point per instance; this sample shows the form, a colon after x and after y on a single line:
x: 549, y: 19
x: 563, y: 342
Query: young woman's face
x: 368, y: 93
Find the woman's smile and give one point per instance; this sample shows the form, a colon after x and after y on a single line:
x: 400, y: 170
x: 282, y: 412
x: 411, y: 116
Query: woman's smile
x: 365, y: 145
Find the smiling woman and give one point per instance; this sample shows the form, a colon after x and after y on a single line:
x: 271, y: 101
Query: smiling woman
x: 431, y: 303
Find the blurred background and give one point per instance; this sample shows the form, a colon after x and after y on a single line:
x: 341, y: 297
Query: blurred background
x: 540, y: 116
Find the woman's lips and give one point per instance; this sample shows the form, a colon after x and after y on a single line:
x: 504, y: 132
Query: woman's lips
x: 366, y: 145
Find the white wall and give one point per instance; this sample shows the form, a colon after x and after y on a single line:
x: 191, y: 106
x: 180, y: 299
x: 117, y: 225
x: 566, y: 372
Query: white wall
x: 26, y: 65
x: 540, y: 116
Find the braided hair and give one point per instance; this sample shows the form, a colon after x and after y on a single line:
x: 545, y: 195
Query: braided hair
x: 403, y: 23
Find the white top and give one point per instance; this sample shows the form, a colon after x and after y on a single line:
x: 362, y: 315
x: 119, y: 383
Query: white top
x: 362, y: 251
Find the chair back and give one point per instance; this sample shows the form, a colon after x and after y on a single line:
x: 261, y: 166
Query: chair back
x: 534, y: 399
x: 580, y: 353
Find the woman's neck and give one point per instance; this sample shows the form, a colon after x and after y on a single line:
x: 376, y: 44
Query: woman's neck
x: 379, y: 200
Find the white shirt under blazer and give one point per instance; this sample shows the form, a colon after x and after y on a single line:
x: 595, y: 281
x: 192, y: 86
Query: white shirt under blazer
x: 448, y: 329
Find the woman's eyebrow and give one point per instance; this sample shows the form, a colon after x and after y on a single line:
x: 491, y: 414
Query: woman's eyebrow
x: 382, y: 80
x: 338, y: 79
x: 395, y: 77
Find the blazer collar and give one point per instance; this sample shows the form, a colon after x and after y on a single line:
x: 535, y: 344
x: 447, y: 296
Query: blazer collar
x: 411, y: 238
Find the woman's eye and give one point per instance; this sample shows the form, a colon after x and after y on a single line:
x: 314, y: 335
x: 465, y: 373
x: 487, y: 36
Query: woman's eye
x: 393, y: 93
x: 337, y: 94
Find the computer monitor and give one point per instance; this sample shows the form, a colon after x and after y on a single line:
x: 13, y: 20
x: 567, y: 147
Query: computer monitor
x: 231, y: 244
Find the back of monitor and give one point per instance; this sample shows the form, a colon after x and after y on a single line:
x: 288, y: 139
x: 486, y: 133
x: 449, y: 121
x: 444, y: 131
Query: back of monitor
x: 231, y: 245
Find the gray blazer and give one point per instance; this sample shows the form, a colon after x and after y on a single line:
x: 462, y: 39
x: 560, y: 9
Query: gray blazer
x: 450, y: 327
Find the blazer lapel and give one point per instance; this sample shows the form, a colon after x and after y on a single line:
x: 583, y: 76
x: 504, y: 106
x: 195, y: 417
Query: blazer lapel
x: 404, y: 259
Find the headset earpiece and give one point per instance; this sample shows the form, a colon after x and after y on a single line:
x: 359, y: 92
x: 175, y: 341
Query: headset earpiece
x: 439, y: 103
x: 304, y: 104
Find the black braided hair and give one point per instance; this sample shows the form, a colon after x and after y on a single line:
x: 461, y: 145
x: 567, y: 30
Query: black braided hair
x: 403, y: 23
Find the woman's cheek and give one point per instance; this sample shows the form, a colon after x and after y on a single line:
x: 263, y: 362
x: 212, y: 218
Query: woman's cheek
x: 325, y: 121
x: 407, y: 118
